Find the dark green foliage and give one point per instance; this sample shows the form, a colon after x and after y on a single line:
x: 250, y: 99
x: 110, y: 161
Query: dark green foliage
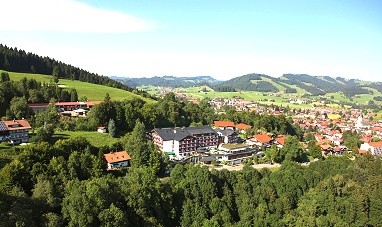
x: 320, y: 86
x: 20, y: 61
x: 43, y: 133
x: 168, y: 81
x: 65, y: 185
x: 290, y: 90
x: 111, y: 128
x: 250, y: 82
x: 28, y: 91
x: 4, y: 77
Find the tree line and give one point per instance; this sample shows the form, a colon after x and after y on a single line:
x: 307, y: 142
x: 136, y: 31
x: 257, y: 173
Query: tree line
x: 15, y: 95
x: 15, y: 60
x: 66, y: 185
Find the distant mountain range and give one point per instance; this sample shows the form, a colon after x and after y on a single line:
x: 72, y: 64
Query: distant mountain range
x: 293, y: 83
x: 288, y: 83
x: 168, y: 81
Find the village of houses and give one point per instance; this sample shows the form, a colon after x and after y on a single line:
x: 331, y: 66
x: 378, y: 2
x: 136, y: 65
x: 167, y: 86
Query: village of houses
x: 225, y: 142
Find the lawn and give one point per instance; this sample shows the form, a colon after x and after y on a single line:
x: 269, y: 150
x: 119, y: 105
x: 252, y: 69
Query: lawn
x: 93, y: 92
x: 95, y: 138
x: 379, y: 116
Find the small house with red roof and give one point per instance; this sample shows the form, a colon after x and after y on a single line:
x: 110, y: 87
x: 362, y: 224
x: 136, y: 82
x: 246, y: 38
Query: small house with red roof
x: 262, y: 140
x: 280, y: 141
x: 242, y: 127
x: 224, y: 124
x: 117, y: 160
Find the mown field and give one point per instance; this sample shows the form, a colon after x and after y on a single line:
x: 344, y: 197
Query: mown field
x: 95, y: 138
x: 93, y: 92
x: 282, y: 99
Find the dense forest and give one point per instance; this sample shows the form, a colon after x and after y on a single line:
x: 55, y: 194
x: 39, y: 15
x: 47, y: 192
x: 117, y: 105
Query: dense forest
x: 66, y: 184
x: 15, y: 95
x: 167, y: 112
x: 250, y: 82
x: 15, y: 60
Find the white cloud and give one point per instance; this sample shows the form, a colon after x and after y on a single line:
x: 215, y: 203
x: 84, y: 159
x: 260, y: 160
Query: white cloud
x: 66, y: 16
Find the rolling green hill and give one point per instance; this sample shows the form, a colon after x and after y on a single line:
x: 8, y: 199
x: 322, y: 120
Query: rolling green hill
x: 93, y: 92
x: 300, y: 83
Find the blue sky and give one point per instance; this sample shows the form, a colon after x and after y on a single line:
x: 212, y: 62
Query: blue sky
x: 223, y: 39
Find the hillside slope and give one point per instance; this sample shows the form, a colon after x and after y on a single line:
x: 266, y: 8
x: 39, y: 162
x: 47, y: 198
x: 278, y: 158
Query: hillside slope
x: 299, y: 83
x: 93, y: 92
x: 168, y: 81
x: 16, y: 60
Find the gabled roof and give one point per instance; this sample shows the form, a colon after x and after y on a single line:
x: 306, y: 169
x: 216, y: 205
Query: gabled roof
x: 325, y: 146
x: 180, y: 133
x: 119, y: 156
x: 376, y: 144
x: 242, y: 126
x: 224, y: 124
x: 262, y: 138
x: 69, y: 103
x: 280, y: 140
x: 200, y: 130
x: 226, y: 132
x: 17, y: 125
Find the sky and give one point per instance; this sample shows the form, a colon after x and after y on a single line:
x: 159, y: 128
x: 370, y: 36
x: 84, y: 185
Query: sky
x: 218, y: 38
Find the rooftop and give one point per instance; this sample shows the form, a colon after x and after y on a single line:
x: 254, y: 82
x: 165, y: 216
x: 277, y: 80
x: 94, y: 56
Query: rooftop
x: 119, y: 156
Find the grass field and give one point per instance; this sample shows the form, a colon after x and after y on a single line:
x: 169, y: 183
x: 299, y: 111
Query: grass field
x: 379, y: 115
x: 93, y: 92
x: 95, y: 138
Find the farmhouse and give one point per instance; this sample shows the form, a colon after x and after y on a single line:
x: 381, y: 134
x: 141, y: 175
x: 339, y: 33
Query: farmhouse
x: 117, y: 160
x: 262, y: 140
x: 15, y: 131
x: 375, y: 148
x: 224, y: 125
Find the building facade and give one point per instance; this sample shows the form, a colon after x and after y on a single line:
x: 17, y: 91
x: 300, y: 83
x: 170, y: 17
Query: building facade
x: 186, y: 140
x: 15, y: 131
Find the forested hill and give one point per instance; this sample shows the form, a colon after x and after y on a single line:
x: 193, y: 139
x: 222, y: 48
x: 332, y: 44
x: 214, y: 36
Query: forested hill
x: 168, y: 81
x: 291, y: 83
x: 16, y: 60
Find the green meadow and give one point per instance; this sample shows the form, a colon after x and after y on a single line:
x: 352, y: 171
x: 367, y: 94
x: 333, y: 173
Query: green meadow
x: 93, y: 92
x: 95, y: 138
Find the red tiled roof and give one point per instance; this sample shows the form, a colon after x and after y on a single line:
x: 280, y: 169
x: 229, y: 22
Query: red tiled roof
x: 92, y: 103
x: 242, y: 126
x: 224, y: 124
x: 68, y: 104
x: 376, y: 144
x: 325, y: 146
x: 262, y: 138
x: 17, y: 125
x: 119, y: 156
x: 281, y: 140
